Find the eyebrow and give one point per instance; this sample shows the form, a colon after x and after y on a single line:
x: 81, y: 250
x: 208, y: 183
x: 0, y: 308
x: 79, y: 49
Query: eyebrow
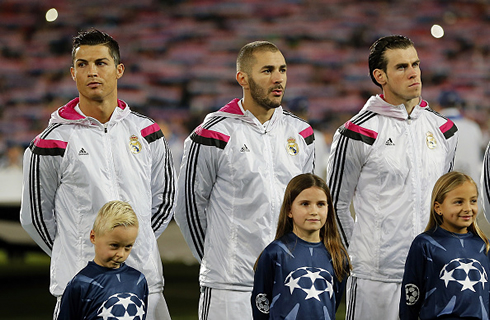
x: 96, y: 60
x: 273, y: 67
x: 404, y: 64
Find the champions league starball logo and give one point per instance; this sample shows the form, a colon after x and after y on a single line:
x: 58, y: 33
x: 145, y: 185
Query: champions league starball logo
x: 313, y: 281
x: 466, y: 272
x: 122, y: 306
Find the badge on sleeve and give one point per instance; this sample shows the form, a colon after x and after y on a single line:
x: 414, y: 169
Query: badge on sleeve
x: 292, y: 147
x: 430, y: 140
x: 134, y: 144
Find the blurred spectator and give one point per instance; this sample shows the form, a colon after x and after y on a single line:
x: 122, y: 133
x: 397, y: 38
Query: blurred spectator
x: 469, y: 154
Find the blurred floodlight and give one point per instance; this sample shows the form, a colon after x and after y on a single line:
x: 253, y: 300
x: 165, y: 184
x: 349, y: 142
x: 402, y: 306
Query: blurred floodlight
x: 51, y: 15
x: 437, y: 31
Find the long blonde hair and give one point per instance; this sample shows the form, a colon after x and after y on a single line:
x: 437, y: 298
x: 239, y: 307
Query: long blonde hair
x: 443, y: 186
x: 328, y: 233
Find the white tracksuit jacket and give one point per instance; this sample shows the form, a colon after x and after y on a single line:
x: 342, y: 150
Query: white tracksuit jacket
x: 75, y: 166
x: 387, y: 162
x: 231, y: 185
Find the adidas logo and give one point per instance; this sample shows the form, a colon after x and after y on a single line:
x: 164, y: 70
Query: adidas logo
x: 244, y: 149
x: 389, y: 142
x: 82, y: 152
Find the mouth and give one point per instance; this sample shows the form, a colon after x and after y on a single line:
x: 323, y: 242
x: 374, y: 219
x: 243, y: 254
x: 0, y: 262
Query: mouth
x: 466, y: 218
x: 277, y: 91
x: 93, y: 84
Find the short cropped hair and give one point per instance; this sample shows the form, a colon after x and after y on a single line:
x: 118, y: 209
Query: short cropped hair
x: 114, y: 214
x: 377, y: 58
x: 246, y: 58
x: 95, y: 37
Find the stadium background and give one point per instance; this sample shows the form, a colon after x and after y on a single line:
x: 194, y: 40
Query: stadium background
x: 180, y: 64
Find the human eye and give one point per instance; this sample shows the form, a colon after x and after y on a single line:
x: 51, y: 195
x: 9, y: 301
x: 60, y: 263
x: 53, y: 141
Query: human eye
x: 81, y: 64
x: 322, y: 204
x: 304, y: 203
x: 113, y: 245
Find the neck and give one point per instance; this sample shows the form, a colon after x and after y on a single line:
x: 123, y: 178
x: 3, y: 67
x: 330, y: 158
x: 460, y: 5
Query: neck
x: 261, y: 113
x: 100, y: 110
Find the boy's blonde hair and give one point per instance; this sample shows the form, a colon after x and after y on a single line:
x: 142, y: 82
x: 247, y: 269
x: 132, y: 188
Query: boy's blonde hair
x: 114, y: 214
x: 445, y: 184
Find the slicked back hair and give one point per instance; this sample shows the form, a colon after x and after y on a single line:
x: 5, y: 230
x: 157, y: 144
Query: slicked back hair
x: 95, y: 37
x: 246, y: 58
x: 377, y: 58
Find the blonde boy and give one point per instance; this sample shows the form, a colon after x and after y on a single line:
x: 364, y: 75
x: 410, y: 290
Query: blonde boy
x: 107, y: 287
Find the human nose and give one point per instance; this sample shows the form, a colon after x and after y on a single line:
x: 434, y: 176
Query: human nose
x: 412, y: 72
x: 278, y: 77
x: 92, y: 70
x: 120, y: 252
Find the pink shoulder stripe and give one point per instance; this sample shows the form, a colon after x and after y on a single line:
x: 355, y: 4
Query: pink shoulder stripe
x: 49, y: 144
x: 205, y: 133
x: 355, y: 128
x: 150, y: 129
x: 447, y: 126
x: 307, y: 132
x: 232, y: 107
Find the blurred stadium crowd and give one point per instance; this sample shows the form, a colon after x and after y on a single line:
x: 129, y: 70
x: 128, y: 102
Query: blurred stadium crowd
x: 180, y: 56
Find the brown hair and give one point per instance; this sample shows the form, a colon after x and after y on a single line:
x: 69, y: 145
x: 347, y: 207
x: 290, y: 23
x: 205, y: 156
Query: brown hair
x: 328, y: 233
x: 246, y: 58
x: 443, y: 186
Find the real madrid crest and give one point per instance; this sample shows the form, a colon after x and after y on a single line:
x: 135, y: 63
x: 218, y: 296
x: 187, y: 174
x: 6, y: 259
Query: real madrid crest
x: 134, y: 144
x: 430, y: 140
x: 292, y: 147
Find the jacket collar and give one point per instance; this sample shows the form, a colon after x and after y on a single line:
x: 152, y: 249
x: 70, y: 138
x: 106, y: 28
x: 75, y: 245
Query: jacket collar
x: 71, y: 113
x: 234, y: 109
x: 378, y: 105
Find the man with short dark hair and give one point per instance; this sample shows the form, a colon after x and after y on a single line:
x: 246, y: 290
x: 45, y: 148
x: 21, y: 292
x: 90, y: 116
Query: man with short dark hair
x: 94, y: 150
x: 386, y: 159
x: 236, y: 166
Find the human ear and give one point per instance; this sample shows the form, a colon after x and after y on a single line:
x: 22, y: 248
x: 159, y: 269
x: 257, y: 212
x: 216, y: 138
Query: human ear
x: 242, y: 78
x: 290, y: 214
x: 92, y: 236
x: 380, y: 76
x: 72, y: 72
x: 119, y: 70
x: 437, y: 208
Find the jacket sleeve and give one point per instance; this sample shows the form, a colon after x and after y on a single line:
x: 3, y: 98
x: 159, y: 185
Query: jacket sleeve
x: 262, y: 290
x: 453, y: 143
x: 413, y: 285
x: 162, y: 183
x: 343, y: 171
x: 198, y: 174
x: 485, y: 184
x: 309, y: 137
x: 40, y: 182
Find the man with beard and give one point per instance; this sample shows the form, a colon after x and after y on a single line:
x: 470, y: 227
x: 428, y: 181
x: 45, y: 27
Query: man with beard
x: 235, y: 168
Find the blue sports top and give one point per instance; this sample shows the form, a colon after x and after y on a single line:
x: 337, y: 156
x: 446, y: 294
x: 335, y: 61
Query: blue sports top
x: 295, y: 280
x: 98, y: 292
x: 446, y: 276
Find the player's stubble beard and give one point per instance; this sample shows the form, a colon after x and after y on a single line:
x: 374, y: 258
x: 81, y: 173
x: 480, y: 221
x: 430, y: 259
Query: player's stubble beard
x: 261, y: 97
